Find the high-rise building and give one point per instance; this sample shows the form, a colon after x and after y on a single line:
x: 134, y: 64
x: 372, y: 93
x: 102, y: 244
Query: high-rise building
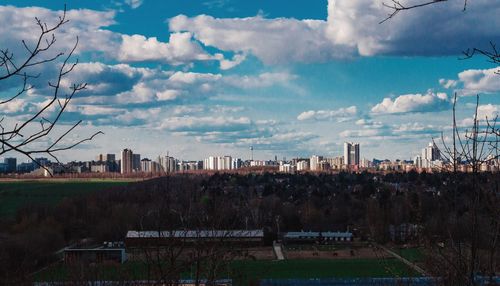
x: 100, y: 158
x: 110, y: 157
x: 430, y: 156
x: 417, y: 162
x: 314, y: 162
x: 136, y: 162
x: 168, y: 164
x: 336, y: 163
x: 210, y: 163
x: 11, y: 165
x: 236, y: 163
x: 303, y: 165
x: 127, y: 161
x: 146, y: 165
x: 351, y: 154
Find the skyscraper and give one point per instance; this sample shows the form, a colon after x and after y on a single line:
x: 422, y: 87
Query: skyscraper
x: 127, y: 161
x: 430, y: 154
x: 136, y: 162
x: 314, y: 162
x: 351, y: 154
x: 11, y: 164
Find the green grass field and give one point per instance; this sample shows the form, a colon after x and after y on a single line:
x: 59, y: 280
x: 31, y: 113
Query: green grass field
x: 411, y: 254
x: 244, y: 271
x: 16, y: 194
x: 322, y: 268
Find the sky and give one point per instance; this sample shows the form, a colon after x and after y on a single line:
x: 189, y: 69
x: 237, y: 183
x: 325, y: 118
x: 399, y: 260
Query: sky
x: 290, y: 78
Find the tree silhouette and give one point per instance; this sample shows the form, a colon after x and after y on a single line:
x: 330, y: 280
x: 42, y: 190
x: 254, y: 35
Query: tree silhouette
x: 26, y: 134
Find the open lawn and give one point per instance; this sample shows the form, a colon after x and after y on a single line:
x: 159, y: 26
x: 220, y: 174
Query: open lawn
x: 411, y: 254
x: 322, y: 268
x: 16, y: 194
x: 243, y: 271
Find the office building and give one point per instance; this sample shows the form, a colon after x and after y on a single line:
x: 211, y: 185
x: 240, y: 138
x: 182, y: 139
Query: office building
x: 11, y: 165
x: 136, y: 162
x: 168, y: 164
x: 127, y: 161
x: 302, y: 165
x: 431, y: 156
x: 351, y: 154
x: 314, y: 162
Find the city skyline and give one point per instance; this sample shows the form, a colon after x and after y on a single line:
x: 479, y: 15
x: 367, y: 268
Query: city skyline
x: 159, y: 80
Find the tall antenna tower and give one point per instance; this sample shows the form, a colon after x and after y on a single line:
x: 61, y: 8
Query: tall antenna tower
x: 251, y: 152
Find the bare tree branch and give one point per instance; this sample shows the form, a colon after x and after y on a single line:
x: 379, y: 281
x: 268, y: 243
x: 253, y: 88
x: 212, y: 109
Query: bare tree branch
x: 23, y: 136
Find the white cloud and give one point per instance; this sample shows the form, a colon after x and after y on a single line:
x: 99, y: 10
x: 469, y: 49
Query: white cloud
x: 279, y: 40
x: 92, y: 110
x: 448, y: 83
x: 17, y: 24
x: 262, y: 80
x: 352, y: 28
x: 439, y: 29
x: 338, y: 114
x: 485, y: 112
x: 413, y: 103
x: 226, y: 64
x: 179, y: 50
x: 205, y: 124
x: 134, y: 3
x: 479, y: 81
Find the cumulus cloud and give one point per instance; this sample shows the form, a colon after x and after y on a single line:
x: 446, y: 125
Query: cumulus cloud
x: 485, y: 112
x: 479, y: 81
x: 179, y: 50
x: 134, y: 3
x: 226, y: 64
x: 378, y: 130
x: 265, y: 79
x: 352, y: 28
x: 429, y: 102
x: 338, y: 114
x: 437, y: 30
x: 448, y: 83
x: 206, y: 124
x: 17, y: 24
x: 273, y: 41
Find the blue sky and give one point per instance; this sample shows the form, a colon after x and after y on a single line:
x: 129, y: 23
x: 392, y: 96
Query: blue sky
x: 291, y: 78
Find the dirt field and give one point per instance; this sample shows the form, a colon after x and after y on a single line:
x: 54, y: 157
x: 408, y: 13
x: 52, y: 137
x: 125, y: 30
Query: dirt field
x: 345, y: 253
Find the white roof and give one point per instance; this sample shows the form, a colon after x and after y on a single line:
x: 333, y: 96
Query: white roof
x: 257, y: 233
x: 299, y: 234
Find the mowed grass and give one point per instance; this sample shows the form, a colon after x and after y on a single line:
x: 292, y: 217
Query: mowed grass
x: 411, y: 254
x: 244, y: 271
x: 16, y: 194
x: 322, y: 268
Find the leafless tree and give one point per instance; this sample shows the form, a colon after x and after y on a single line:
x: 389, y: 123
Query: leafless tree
x: 396, y: 6
x: 470, y: 245
x: 27, y: 132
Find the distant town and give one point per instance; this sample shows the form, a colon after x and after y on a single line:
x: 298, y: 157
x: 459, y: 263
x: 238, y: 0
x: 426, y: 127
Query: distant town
x: 128, y: 163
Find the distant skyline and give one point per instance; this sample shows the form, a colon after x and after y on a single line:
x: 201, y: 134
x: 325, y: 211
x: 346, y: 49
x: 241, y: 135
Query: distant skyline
x: 214, y: 77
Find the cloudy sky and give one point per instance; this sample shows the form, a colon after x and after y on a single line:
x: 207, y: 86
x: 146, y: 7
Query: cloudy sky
x: 291, y: 78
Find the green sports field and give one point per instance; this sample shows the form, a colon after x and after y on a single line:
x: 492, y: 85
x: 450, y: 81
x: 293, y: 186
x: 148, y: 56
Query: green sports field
x: 244, y: 271
x: 411, y: 254
x: 322, y: 268
x: 16, y: 194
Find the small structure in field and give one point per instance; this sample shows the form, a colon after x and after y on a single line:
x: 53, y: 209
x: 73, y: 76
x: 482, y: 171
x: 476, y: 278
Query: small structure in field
x: 109, y: 251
